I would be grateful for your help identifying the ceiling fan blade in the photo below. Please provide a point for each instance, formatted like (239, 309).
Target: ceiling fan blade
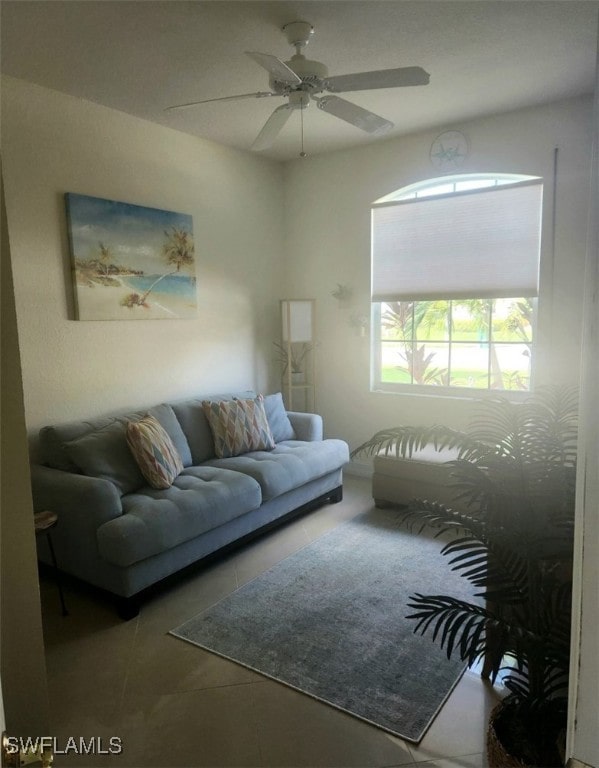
(353, 114)
(272, 127)
(277, 68)
(382, 78)
(258, 95)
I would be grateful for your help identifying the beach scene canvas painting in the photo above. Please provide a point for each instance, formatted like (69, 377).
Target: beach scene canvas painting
(130, 262)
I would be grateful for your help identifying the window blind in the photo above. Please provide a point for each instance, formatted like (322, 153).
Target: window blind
(475, 244)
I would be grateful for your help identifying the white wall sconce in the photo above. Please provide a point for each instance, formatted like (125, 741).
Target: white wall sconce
(359, 323)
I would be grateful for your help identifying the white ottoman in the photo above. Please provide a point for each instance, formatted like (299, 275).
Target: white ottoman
(425, 475)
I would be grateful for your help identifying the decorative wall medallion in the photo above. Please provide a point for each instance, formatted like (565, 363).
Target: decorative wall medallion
(449, 150)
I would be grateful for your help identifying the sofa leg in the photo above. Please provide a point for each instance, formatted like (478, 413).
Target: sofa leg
(336, 495)
(127, 607)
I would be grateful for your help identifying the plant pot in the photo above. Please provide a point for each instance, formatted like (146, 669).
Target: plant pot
(518, 737)
(497, 754)
(298, 378)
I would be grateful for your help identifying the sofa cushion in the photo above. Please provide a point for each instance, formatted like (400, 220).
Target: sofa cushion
(278, 421)
(238, 426)
(154, 452)
(104, 453)
(289, 465)
(167, 418)
(52, 439)
(190, 415)
(200, 499)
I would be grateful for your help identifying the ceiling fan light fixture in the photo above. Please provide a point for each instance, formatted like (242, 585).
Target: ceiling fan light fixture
(299, 99)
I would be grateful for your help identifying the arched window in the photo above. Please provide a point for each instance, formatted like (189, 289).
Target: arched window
(455, 265)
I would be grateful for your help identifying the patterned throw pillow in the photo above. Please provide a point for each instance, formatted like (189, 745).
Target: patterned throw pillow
(154, 452)
(238, 426)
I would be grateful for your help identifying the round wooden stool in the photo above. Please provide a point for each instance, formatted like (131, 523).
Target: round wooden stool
(44, 522)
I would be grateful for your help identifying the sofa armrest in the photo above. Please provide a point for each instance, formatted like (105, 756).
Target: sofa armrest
(80, 501)
(307, 426)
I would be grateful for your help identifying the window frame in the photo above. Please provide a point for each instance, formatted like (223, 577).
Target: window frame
(376, 341)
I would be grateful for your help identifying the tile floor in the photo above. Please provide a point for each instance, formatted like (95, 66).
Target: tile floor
(173, 704)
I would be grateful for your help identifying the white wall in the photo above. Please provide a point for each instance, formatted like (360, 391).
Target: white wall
(22, 661)
(54, 144)
(583, 742)
(328, 232)
(248, 212)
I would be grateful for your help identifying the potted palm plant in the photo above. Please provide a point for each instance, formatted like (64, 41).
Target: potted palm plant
(512, 529)
(293, 356)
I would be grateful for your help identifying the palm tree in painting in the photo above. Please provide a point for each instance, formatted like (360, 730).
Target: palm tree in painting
(178, 250)
(105, 258)
(99, 269)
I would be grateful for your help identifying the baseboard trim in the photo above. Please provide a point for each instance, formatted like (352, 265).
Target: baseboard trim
(574, 763)
(359, 468)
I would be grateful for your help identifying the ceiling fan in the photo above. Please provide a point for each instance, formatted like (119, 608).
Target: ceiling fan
(301, 81)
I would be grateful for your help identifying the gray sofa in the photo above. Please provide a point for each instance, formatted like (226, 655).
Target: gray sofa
(117, 533)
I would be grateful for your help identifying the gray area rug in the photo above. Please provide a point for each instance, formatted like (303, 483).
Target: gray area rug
(329, 621)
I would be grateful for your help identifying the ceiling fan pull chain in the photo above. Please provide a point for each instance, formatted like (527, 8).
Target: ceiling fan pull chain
(302, 153)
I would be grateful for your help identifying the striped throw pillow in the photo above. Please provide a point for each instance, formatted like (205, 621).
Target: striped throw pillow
(238, 426)
(154, 452)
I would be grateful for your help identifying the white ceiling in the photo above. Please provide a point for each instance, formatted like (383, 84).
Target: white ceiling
(141, 56)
